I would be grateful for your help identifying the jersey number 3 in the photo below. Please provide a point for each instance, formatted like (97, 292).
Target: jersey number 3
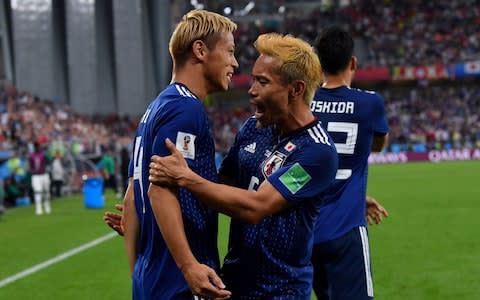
(348, 147)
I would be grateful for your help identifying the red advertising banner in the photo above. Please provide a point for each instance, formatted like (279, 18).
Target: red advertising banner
(432, 156)
(372, 74)
(422, 72)
(241, 80)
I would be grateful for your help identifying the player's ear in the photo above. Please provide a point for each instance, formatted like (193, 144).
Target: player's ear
(199, 49)
(297, 88)
(353, 63)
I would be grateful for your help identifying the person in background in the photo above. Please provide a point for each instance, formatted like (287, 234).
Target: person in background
(108, 170)
(58, 174)
(356, 121)
(40, 180)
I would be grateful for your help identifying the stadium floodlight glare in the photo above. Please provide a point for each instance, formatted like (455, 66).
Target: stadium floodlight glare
(227, 10)
(246, 9)
(196, 5)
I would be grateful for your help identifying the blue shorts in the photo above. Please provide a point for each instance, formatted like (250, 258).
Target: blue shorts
(341, 267)
(187, 296)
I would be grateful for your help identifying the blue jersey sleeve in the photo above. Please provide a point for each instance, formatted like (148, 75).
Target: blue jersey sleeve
(182, 124)
(307, 173)
(379, 120)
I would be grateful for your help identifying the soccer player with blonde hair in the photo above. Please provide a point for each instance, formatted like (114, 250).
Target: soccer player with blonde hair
(281, 162)
(159, 221)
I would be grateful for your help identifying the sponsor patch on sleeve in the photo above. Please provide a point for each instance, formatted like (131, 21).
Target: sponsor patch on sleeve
(186, 144)
(295, 178)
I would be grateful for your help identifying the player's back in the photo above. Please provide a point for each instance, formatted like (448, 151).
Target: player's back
(352, 117)
(176, 114)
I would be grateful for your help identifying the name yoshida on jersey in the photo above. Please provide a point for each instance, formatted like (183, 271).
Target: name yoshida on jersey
(352, 117)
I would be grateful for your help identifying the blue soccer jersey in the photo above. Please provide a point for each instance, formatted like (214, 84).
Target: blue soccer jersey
(176, 114)
(271, 260)
(352, 117)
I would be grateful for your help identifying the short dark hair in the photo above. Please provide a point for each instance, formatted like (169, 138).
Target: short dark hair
(335, 49)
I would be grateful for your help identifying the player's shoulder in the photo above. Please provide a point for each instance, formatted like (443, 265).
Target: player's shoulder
(178, 91)
(345, 91)
(316, 138)
(177, 96)
(365, 93)
(249, 124)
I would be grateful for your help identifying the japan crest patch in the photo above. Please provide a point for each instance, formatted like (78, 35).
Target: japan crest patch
(273, 163)
(290, 147)
(186, 144)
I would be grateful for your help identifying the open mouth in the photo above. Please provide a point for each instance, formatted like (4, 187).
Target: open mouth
(259, 110)
(229, 76)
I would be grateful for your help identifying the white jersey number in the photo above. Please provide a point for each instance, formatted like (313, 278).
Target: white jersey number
(137, 166)
(253, 186)
(351, 129)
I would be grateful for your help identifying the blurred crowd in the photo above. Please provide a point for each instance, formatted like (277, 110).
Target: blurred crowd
(421, 118)
(433, 117)
(68, 138)
(389, 33)
(440, 116)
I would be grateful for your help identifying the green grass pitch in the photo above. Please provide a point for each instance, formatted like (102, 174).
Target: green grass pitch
(427, 249)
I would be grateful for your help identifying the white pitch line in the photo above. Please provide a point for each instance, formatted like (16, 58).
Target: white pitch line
(55, 259)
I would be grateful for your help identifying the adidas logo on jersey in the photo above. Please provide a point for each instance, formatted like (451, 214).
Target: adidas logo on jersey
(251, 148)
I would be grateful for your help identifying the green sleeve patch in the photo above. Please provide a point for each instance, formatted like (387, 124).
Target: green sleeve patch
(295, 178)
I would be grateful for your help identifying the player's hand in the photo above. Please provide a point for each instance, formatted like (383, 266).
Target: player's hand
(375, 212)
(114, 220)
(204, 282)
(168, 170)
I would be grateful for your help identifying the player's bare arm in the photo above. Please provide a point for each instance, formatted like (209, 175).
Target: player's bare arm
(201, 279)
(130, 225)
(238, 203)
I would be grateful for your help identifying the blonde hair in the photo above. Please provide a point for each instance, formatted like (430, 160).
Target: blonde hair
(299, 61)
(197, 25)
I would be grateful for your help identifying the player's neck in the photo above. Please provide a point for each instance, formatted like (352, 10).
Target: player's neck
(335, 81)
(192, 80)
(298, 117)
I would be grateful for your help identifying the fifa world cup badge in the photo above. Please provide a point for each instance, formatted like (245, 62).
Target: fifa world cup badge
(186, 144)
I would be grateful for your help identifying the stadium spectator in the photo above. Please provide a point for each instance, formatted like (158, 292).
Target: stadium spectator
(271, 233)
(202, 49)
(125, 155)
(40, 180)
(58, 174)
(108, 169)
(357, 123)
(393, 32)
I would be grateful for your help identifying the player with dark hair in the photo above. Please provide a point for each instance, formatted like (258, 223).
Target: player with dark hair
(356, 121)
(287, 164)
(158, 220)
(40, 179)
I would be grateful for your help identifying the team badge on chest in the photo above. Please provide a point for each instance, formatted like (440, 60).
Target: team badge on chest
(273, 163)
